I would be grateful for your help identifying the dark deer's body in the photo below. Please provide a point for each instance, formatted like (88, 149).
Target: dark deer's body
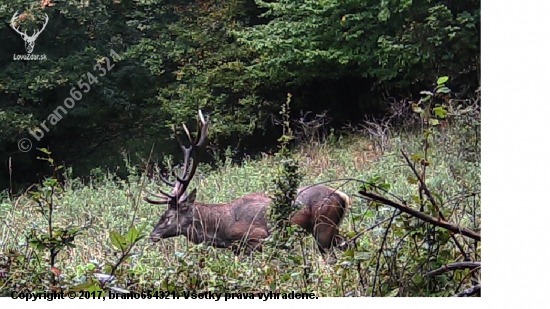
(319, 211)
(222, 225)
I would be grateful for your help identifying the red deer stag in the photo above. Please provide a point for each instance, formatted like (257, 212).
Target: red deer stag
(244, 219)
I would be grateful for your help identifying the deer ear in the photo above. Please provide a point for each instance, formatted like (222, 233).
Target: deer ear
(187, 199)
(191, 197)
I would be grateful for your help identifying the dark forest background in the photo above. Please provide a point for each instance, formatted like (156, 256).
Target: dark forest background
(237, 60)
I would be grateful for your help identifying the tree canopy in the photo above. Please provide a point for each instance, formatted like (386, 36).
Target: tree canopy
(234, 59)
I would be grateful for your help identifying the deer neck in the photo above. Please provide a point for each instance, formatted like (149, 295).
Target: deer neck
(209, 225)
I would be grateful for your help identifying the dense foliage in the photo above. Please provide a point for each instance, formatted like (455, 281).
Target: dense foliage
(118, 74)
(235, 59)
(87, 235)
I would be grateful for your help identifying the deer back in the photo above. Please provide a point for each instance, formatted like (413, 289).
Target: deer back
(321, 211)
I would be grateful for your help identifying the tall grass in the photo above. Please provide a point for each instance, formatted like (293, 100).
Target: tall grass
(386, 260)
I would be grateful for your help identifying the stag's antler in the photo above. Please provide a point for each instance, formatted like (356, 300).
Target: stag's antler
(182, 182)
(34, 35)
(29, 40)
(12, 23)
(24, 34)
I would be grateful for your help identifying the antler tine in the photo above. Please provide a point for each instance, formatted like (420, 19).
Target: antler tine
(196, 144)
(165, 194)
(186, 132)
(164, 198)
(166, 181)
(45, 22)
(12, 23)
(155, 202)
(177, 191)
(43, 26)
(186, 154)
(203, 130)
(199, 142)
(13, 17)
(161, 196)
(182, 182)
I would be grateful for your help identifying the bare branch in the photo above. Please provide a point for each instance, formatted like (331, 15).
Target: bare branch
(422, 216)
(424, 188)
(423, 184)
(453, 266)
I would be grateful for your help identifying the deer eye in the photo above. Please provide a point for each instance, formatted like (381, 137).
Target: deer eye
(183, 207)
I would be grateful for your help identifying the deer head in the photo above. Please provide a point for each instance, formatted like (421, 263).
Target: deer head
(179, 215)
(29, 40)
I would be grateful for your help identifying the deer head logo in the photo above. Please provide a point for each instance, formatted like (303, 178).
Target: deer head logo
(29, 40)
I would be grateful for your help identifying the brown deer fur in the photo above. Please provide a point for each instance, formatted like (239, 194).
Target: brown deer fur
(319, 209)
(223, 225)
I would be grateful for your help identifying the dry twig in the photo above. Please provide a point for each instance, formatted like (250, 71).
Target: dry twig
(453, 266)
(422, 216)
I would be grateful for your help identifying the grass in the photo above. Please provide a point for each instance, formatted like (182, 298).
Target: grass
(388, 260)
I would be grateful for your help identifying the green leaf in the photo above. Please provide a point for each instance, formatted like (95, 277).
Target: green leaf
(366, 214)
(44, 150)
(118, 241)
(433, 121)
(82, 287)
(417, 109)
(50, 182)
(417, 157)
(442, 80)
(132, 234)
(443, 90)
(427, 133)
(95, 288)
(440, 112)
(142, 228)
